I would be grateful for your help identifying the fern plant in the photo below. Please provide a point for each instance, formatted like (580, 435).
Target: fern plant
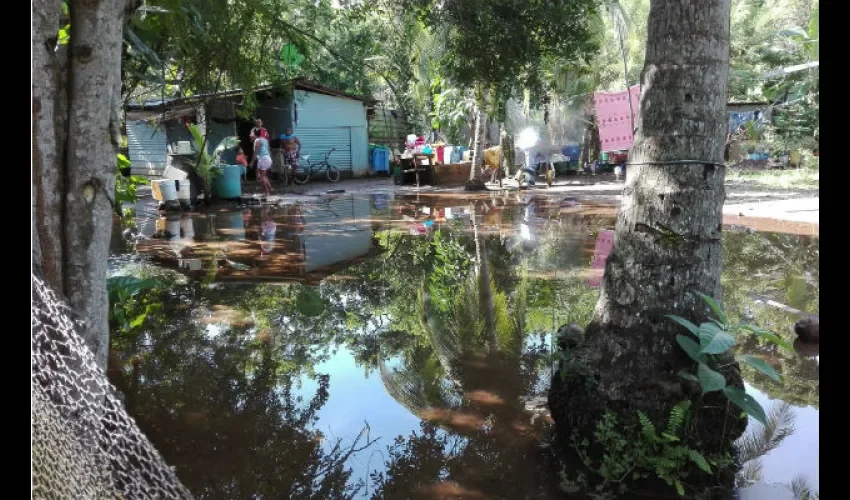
(714, 339)
(639, 451)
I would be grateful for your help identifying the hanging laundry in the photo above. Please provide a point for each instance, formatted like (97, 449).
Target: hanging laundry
(612, 115)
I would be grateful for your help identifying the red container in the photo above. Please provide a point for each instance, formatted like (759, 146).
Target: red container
(440, 154)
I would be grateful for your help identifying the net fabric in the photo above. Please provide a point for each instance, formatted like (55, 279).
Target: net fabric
(84, 444)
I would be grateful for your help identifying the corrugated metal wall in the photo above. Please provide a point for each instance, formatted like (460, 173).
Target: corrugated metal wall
(339, 117)
(316, 142)
(146, 144)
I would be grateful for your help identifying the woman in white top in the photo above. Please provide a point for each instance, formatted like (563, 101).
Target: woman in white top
(263, 159)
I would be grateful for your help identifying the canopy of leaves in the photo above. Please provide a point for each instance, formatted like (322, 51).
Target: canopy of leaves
(502, 44)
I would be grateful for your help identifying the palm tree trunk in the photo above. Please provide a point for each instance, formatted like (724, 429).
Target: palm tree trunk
(485, 288)
(667, 241)
(475, 183)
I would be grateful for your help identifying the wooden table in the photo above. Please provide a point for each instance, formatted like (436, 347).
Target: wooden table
(417, 166)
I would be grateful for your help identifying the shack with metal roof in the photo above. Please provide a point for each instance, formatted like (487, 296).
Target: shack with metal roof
(322, 118)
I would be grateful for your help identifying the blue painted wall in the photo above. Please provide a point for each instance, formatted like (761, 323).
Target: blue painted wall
(318, 111)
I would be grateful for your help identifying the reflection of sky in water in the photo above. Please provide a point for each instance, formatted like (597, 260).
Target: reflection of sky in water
(798, 454)
(354, 401)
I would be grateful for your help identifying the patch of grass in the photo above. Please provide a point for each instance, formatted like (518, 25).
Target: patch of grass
(802, 178)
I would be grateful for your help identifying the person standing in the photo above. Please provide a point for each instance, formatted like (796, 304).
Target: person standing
(263, 159)
(291, 149)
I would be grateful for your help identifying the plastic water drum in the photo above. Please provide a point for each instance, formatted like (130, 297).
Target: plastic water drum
(228, 185)
(380, 161)
(164, 190)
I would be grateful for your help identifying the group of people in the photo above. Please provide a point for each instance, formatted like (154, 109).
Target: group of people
(262, 158)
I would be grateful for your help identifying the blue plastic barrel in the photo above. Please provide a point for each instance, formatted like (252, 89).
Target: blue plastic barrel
(228, 184)
(380, 160)
(457, 154)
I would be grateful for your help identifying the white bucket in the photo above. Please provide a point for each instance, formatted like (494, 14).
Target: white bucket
(183, 189)
(164, 190)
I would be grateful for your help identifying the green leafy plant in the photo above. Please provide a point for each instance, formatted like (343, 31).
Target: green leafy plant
(714, 339)
(207, 165)
(637, 451)
(130, 302)
(125, 187)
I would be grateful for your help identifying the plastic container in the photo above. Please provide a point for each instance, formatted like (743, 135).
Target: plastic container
(164, 190)
(440, 151)
(448, 151)
(228, 184)
(380, 161)
(184, 188)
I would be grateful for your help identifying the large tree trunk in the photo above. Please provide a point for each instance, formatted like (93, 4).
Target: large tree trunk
(667, 242)
(75, 140)
(47, 122)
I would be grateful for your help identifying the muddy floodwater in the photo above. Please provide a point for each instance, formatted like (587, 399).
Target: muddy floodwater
(398, 346)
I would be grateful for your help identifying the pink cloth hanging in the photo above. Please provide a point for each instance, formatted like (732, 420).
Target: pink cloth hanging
(612, 116)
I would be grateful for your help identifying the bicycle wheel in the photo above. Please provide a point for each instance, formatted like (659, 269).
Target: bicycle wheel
(302, 176)
(332, 173)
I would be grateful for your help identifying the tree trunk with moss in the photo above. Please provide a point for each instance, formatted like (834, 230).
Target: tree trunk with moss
(667, 241)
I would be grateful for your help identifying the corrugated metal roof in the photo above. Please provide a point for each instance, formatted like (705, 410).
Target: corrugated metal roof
(299, 84)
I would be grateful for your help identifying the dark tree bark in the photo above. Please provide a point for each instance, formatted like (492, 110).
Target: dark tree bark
(667, 242)
(75, 140)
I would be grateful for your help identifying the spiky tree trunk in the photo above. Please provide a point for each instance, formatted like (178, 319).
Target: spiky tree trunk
(76, 137)
(475, 182)
(667, 242)
(485, 288)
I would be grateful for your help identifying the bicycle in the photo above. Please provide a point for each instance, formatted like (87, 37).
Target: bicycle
(303, 175)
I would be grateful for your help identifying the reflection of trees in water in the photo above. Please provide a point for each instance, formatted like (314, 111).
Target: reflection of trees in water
(219, 403)
(785, 268)
(478, 344)
(214, 388)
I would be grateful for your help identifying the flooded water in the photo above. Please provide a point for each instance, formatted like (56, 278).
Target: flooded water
(387, 347)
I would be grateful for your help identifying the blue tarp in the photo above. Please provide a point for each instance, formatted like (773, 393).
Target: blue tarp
(739, 118)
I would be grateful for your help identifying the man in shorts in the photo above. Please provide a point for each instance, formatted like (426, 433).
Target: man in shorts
(291, 149)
